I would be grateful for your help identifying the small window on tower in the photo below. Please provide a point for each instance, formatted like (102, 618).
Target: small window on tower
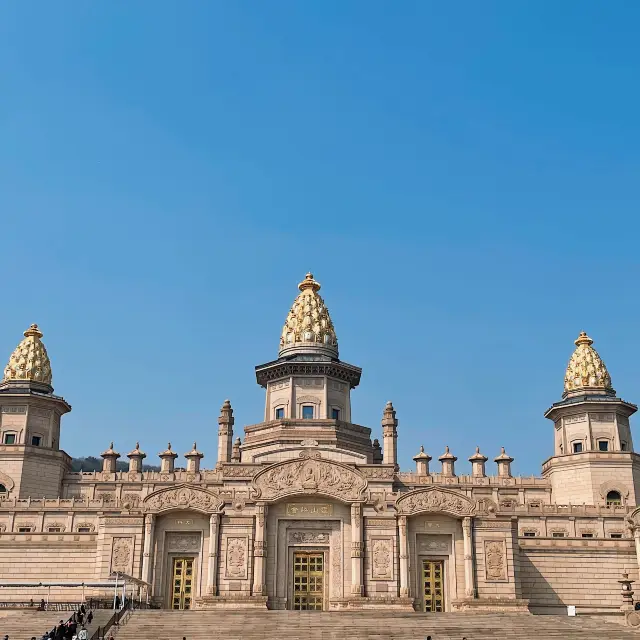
(616, 536)
(279, 413)
(603, 445)
(623, 446)
(557, 534)
(36, 441)
(614, 499)
(307, 412)
(335, 414)
(577, 447)
(9, 438)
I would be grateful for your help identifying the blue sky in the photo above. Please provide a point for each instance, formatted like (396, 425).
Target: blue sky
(462, 178)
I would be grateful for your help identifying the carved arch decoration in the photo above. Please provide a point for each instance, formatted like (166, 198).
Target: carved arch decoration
(6, 481)
(309, 475)
(435, 500)
(613, 485)
(183, 497)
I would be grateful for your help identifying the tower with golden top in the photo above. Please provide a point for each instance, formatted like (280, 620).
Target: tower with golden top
(30, 455)
(593, 459)
(308, 391)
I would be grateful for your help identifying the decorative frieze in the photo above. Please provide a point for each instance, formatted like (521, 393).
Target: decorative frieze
(435, 500)
(184, 497)
(381, 522)
(120, 521)
(378, 472)
(308, 537)
(183, 542)
(309, 475)
(239, 471)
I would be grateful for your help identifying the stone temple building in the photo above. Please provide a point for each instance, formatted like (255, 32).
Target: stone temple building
(308, 512)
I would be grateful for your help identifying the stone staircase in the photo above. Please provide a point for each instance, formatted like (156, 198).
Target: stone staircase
(290, 625)
(23, 625)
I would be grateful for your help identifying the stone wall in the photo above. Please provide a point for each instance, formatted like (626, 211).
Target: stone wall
(553, 578)
(47, 561)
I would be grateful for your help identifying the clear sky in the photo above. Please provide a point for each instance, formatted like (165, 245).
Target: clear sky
(461, 177)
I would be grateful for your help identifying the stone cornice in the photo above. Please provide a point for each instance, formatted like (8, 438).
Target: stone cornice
(277, 369)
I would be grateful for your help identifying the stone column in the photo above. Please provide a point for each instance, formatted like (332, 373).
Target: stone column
(225, 432)
(147, 564)
(357, 588)
(636, 537)
(404, 557)
(390, 436)
(212, 582)
(260, 552)
(469, 588)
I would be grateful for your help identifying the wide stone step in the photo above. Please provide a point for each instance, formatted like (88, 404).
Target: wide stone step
(291, 625)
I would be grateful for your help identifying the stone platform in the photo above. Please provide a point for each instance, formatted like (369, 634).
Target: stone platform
(290, 625)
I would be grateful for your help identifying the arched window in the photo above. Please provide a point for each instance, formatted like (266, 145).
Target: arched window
(3, 489)
(614, 499)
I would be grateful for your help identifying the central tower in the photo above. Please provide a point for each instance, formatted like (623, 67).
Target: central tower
(308, 391)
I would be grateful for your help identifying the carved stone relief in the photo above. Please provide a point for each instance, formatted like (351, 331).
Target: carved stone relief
(121, 555)
(439, 544)
(184, 497)
(378, 472)
(236, 563)
(381, 558)
(183, 542)
(309, 475)
(435, 500)
(308, 537)
(495, 560)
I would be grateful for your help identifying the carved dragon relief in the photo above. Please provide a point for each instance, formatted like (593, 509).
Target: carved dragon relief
(183, 497)
(434, 499)
(309, 474)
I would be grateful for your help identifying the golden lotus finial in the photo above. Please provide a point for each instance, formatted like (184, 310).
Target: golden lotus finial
(583, 338)
(308, 327)
(586, 370)
(309, 283)
(29, 360)
(33, 330)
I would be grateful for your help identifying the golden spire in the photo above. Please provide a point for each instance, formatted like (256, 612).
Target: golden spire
(308, 326)
(29, 361)
(586, 370)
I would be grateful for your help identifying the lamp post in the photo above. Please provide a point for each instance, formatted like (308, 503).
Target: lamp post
(626, 592)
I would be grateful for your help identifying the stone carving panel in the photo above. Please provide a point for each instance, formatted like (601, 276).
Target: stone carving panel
(183, 542)
(239, 471)
(434, 544)
(121, 555)
(382, 559)
(183, 497)
(435, 500)
(495, 560)
(308, 537)
(236, 562)
(378, 472)
(308, 475)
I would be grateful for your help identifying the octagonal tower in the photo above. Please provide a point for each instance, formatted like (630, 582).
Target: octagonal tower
(593, 461)
(308, 391)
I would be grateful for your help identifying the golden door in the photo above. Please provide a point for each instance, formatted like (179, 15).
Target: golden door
(183, 583)
(433, 585)
(308, 581)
